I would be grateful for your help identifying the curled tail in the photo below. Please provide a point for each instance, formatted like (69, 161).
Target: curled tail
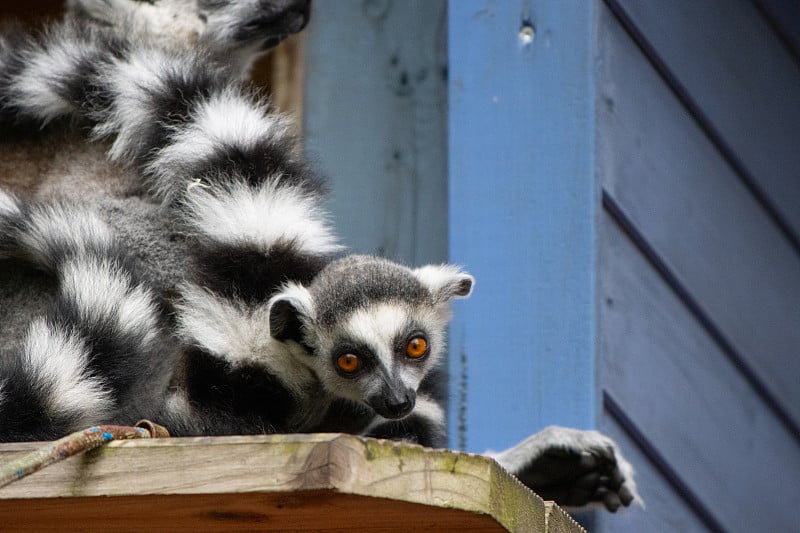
(176, 113)
(85, 360)
(206, 146)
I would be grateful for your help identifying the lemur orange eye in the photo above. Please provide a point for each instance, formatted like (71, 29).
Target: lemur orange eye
(348, 363)
(417, 347)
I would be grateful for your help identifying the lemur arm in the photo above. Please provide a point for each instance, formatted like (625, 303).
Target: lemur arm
(573, 467)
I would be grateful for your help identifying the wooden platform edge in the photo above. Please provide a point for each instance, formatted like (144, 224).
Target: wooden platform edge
(289, 463)
(558, 521)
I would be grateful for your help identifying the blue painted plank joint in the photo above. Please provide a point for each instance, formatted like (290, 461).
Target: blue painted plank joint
(523, 206)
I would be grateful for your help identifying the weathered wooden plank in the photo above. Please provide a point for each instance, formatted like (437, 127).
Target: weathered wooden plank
(742, 78)
(558, 521)
(375, 120)
(678, 388)
(698, 217)
(523, 202)
(284, 512)
(285, 465)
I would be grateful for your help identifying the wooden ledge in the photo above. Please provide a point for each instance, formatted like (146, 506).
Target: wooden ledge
(320, 482)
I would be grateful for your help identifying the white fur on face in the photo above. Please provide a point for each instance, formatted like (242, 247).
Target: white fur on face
(378, 327)
(430, 410)
(58, 361)
(241, 215)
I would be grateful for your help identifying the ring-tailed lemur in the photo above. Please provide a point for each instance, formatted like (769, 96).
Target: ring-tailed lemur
(195, 279)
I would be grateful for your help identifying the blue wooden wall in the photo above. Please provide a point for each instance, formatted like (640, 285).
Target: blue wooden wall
(622, 178)
(523, 205)
(375, 119)
(698, 261)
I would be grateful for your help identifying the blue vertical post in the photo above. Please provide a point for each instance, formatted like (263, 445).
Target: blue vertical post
(523, 206)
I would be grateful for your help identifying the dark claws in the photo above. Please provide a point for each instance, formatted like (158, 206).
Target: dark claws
(612, 501)
(625, 495)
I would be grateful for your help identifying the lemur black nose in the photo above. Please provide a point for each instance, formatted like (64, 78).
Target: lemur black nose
(399, 405)
(400, 409)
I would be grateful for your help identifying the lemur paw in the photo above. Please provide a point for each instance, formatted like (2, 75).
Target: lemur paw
(267, 22)
(573, 467)
(221, 25)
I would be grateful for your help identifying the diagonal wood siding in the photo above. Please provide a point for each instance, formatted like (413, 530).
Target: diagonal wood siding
(699, 265)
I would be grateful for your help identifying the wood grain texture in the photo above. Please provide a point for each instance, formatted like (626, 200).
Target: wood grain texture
(375, 122)
(745, 82)
(558, 521)
(284, 512)
(277, 477)
(677, 387)
(698, 217)
(523, 203)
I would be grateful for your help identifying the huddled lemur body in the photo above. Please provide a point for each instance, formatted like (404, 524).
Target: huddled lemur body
(164, 254)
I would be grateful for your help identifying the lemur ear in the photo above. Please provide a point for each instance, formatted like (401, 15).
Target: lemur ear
(287, 311)
(445, 281)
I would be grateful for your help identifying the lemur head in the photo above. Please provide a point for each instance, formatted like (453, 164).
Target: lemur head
(373, 329)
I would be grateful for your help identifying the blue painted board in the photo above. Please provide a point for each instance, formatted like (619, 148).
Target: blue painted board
(374, 121)
(678, 388)
(523, 201)
(743, 80)
(693, 210)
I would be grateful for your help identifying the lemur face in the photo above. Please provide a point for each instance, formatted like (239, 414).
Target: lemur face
(375, 328)
(379, 354)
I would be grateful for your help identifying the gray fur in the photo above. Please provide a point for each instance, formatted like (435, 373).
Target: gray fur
(356, 281)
